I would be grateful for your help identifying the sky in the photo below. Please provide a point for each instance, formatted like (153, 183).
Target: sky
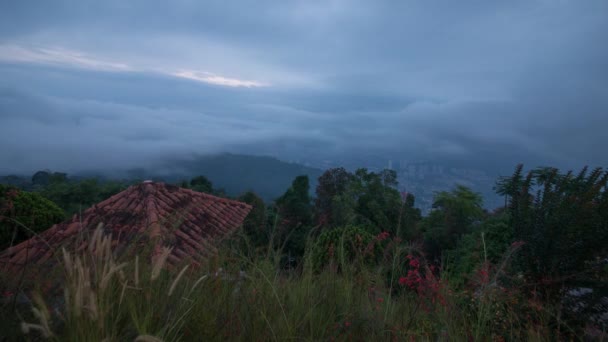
(118, 84)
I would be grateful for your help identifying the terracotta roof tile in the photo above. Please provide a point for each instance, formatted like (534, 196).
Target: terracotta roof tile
(186, 219)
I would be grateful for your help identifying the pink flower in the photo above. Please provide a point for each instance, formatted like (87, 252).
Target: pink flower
(382, 236)
(516, 244)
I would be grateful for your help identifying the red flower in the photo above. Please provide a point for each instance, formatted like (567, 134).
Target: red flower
(347, 324)
(517, 244)
(382, 236)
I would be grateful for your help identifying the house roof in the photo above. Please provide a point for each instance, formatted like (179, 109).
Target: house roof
(149, 213)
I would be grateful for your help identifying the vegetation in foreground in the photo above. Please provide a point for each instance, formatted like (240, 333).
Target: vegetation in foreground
(235, 297)
(358, 263)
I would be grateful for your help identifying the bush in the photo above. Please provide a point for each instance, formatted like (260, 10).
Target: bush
(23, 214)
(103, 297)
(344, 245)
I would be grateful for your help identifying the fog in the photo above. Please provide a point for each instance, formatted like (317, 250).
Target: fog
(102, 85)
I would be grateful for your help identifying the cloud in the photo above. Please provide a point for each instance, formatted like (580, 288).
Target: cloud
(481, 83)
(210, 78)
(57, 56)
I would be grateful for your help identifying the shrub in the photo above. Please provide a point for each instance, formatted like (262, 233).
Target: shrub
(23, 214)
(344, 245)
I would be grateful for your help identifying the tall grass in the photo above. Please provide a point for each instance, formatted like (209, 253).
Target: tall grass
(240, 295)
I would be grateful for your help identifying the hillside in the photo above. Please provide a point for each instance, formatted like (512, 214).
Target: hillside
(266, 176)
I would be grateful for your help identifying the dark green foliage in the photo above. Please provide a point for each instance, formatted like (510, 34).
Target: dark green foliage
(24, 213)
(201, 184)
(14, 180)
(76, 196)
(454, 214)
(295, 205)
(41, 178)
(343, 245)
(563, 221)
(331, 191)
(378, 202)
(58, 177)
(490, 278)
(366, 199)
(487, 242)
(268, 177)
(410, 218)
(294, 211)
(255, 223)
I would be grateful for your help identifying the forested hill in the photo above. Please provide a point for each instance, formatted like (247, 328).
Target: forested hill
(234, 174)
(266, 176)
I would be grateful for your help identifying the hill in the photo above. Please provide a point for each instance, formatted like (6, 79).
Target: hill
(267, 176)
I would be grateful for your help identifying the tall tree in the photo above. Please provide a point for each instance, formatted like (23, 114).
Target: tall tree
(295, 204)
(41, 178)
(255, 223)
(366, 199)
(454, 214)
(295, 216)
(379, 205)
(201, 184)
(331, 190)
(563, 221)
(410, 218)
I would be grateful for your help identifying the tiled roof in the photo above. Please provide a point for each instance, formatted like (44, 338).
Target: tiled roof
(152, 214)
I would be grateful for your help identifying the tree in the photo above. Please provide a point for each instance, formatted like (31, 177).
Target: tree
(410, 217)
(23, 214)
(76, 196)
(487, 242)
(295, 216)
(295, 204)
(342, 246)
(58, 177)
(255, 223)
(365, 199)
(201, 184)
(454, 214)
(507, 185)
(563, 221)
(378, 202)
(332, 186)
(41, 178)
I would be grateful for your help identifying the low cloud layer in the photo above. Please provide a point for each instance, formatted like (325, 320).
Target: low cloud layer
(85, 85)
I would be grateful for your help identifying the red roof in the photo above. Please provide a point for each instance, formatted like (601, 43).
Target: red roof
(153, 214)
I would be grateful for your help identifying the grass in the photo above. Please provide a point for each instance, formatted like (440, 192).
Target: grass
(240, 296)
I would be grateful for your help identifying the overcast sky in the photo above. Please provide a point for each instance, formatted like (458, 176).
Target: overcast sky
(114, 83)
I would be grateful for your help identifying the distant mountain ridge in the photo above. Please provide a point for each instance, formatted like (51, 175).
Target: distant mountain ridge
(268, 177)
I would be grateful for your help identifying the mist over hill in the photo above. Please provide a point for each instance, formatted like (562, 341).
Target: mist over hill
(235, 174)
(270, 177)
(267, 176)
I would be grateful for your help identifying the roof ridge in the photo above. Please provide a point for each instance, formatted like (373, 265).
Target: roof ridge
(166, 214)
(217, 198)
